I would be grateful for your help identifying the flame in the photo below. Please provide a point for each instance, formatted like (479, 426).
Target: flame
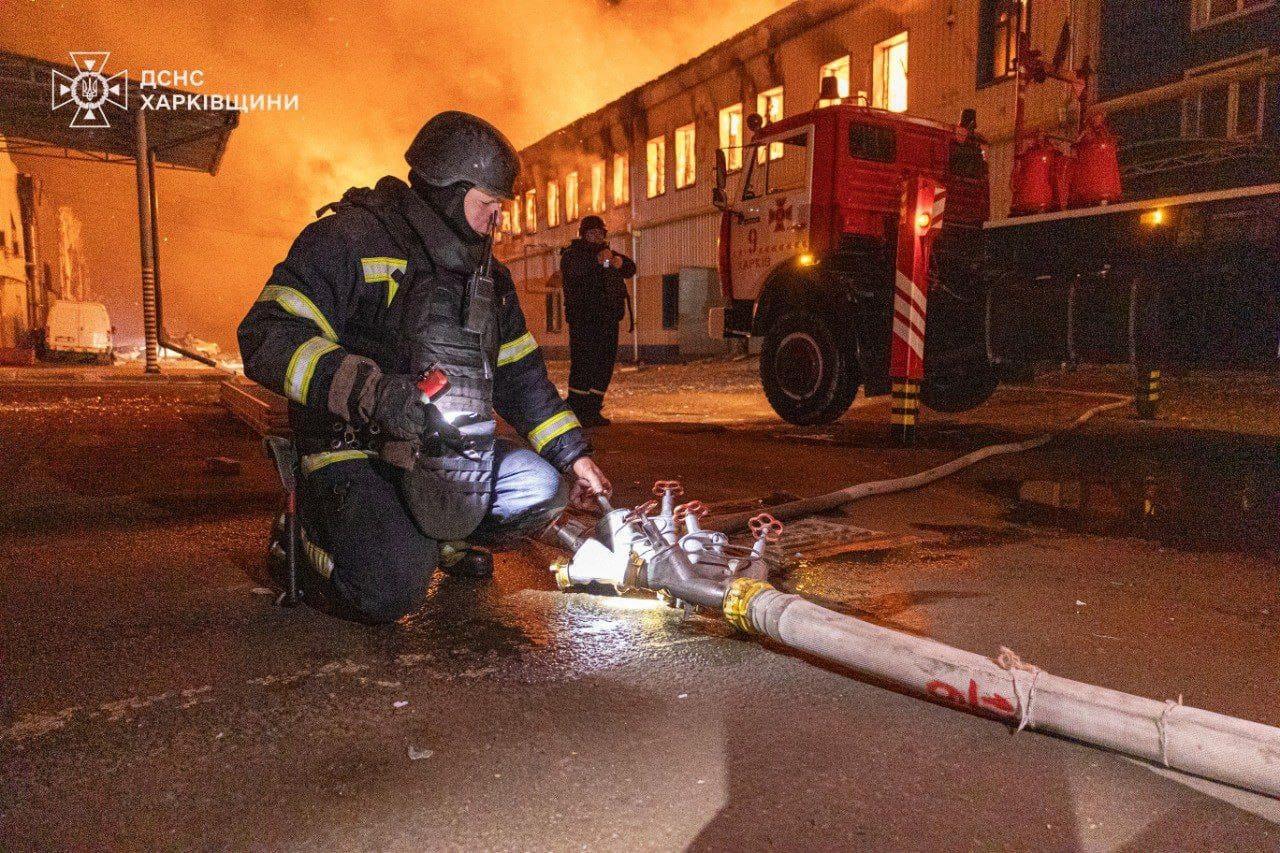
(367, 76)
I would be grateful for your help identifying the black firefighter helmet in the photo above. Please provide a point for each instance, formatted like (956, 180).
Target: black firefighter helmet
(456, 146)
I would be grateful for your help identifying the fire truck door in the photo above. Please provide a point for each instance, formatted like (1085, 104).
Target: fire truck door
(775, 207)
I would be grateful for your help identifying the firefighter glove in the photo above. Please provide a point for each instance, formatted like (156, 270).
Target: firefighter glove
(398, 409)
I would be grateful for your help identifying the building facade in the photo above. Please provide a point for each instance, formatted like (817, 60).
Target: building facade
(645, 162)
(1201, 79)
(14, 313)
(41, 260)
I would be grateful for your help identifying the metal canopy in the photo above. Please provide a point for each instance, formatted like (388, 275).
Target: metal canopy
(178, 139)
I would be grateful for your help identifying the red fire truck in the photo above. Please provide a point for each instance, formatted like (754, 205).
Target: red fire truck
(816, 244)
(807, 258)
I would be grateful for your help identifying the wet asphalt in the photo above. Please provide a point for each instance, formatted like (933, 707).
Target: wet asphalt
(153, 698)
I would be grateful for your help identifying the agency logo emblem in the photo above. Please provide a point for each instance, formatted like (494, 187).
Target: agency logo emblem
(91, 90)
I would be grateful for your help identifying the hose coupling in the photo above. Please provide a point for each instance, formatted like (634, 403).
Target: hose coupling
(737, 602)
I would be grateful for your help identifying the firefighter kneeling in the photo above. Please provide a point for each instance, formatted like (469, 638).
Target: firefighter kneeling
(400, 280)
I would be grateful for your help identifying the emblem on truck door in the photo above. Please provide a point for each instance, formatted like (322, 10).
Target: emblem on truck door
(780, 215)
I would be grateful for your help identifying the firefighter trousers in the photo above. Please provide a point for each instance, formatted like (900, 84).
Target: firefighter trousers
(593, 351)
(359, 534)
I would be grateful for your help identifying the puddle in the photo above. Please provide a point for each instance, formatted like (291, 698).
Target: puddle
(1194, 512)
(961, 536)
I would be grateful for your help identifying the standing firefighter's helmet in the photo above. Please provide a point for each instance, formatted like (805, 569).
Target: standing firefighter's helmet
(456, 146)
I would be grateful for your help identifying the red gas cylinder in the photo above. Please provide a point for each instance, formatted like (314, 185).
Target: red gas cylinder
(1095, 179)
(1033, 178)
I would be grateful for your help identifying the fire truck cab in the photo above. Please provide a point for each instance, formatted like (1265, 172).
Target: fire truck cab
(808, 235)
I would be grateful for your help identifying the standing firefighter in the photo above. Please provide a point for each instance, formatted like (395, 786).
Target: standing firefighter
(595, 291)
(387, 288)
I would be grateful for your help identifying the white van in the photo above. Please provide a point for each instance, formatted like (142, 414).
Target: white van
(79, 329)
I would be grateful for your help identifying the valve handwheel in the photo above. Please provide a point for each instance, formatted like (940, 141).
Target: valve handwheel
(643, 511)
(662, 487)
(695, 508)
(765, 526)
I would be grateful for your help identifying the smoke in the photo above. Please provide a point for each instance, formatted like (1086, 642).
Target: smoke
(367, 76)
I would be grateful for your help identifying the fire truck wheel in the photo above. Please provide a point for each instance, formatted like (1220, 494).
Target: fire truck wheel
(959, 392)
(806, 375)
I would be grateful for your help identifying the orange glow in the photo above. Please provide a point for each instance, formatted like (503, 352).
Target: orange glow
(531, 66)
(923, 221)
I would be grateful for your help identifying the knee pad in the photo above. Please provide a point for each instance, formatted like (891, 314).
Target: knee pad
(389, 589)
(381, 607)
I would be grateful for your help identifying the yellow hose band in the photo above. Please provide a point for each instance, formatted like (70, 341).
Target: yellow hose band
(560, 568)
(737, 602)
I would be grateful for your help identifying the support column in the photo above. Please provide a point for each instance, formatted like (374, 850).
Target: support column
(150, 327)
(155, 245)
(923, 204)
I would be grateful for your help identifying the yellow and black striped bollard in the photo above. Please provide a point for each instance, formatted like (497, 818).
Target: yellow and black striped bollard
(905, 410)
(1147, 398)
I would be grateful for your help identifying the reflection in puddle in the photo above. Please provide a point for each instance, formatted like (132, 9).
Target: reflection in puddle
(519, 628)
(1190, 513)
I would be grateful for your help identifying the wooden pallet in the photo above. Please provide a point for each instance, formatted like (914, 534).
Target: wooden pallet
(265, 412)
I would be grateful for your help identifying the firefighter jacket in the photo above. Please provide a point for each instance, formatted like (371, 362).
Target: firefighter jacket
(593, 293)
(380, 286)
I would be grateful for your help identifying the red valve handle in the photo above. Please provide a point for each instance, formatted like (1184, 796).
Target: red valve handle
(765, 526)
(433, 383)
(642, 511)
(695, 508)
(661, 487)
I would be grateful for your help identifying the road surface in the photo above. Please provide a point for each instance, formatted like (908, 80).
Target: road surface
(152, 698)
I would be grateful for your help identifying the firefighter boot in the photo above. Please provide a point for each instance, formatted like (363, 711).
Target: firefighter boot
(460, 560)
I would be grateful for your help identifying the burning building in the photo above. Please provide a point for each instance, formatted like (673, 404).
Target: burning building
(42, 260)
(645, 161)
(15, 321)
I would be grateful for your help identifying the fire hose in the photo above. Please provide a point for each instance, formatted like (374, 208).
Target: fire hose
(669, 549)
(840, 497)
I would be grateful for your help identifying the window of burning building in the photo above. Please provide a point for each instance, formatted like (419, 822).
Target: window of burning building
(621, 179)
(597, 187)
(686, 156)
(514, 216)
(769, 105)
(1206, 12)
(1230, 111)
(656, 166)
(571, 197)
(731, 136)
(553, 204)
(839, 69)
(1001, 24)
(531, 211)
(889, 75)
